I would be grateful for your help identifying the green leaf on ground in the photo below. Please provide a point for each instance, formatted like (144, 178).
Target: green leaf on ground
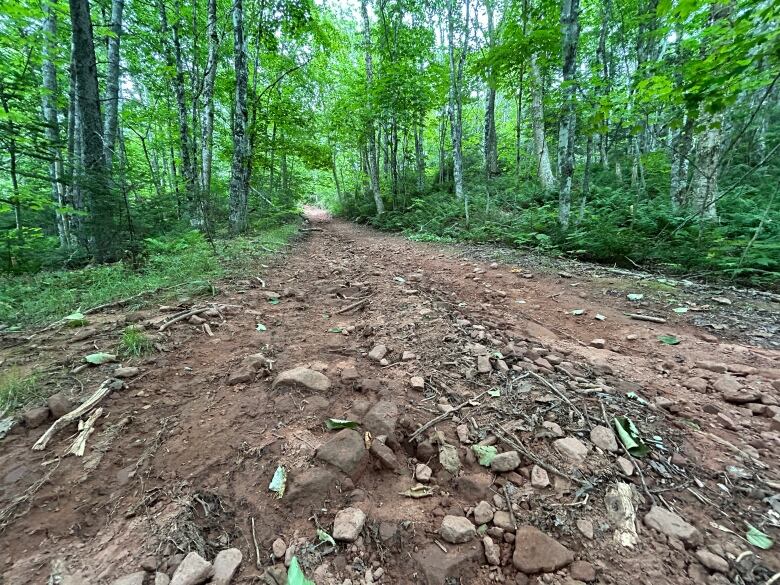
(495, 393)
(335, 330)
(680, 309)
(261, 327)
(578, 312)
(485, 454)
(76, 319)
(335, 423)
(325, 537)
(635, 296)
(279, 482)
(668, 339)
(758, 538)
(274, 300)
(99, 358)
(630, 437)
(295, 574)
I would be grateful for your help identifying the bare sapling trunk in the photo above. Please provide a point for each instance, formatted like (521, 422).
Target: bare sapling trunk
(543, 167)
(238, 184)
(373, 160)
(456, 64)
(566, 131)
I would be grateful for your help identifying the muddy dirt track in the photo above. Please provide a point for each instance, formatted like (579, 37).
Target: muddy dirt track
(396, 335)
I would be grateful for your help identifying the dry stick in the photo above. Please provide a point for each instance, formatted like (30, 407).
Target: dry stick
(181, 317)
(80, 444)
(257, 548)
(353, 306)
(100, 394)
(447, 414)
(513, 442)
(560, 394)
(650, 318)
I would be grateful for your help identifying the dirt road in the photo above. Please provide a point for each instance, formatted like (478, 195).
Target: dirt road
(356, 325)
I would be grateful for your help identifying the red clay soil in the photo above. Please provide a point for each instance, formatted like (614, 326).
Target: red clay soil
(182, 456)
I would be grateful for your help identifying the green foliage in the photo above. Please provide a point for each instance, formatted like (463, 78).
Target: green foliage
(135, 342)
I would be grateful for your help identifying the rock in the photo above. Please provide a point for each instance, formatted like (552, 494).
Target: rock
(422, 473)
(161, 579)
(408, 356)
(314, 483)
(598, 343)
(458, 564)
(604, 439)
(697, 384)
(127, 372)
(242, 375)
(193, 570)
(727, 384)
(278, 548)
(463, 434)
(717, 367)
(449, 458)
(727, 422)
(35, 417)
(384, 455)
(571, 449)
(503, 520)
(483, 513)
(300, 377)
(381, 419)
(483, 364)
(535, 552)
(136, 578)
(492, 552)
(275, 576)
(625, 466)
(349, 373)
(377, 353)
(539, 477)
(585, 527)
(149, 564)
(348, 524)
(225, 566)
(417, 383)
(345, 451)
(671, 524)
(741, 396)
(506, 461)
(457, 529)
(554, 428)
(59, 404)
(582, 571)
(712, 561)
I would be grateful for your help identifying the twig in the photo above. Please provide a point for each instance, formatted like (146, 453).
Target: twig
(509, 507)
(311, 230)
(650, 318)
(560, 394)
(181, 317)
(254, 539)
(100, 393)
(353, 306)
(207, 329)
(440, 545)
(445, 415)
(80, 444)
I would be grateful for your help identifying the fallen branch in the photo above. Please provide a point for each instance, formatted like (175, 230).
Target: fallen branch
(181, 317)
(65, 420)
(86, 428)
(355, 305)
(311, 230)
(638, 317)
(558, 393)
(444, 416)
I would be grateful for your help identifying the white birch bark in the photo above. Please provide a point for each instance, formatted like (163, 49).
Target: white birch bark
(543, 168)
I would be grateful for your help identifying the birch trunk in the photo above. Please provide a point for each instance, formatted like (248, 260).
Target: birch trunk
(373, 160)
(491, 138)
(112, 83)
(543, 168)
(419, 157)
(207, 124)
(238, 184)
(704, 185)
(51, 117)
(681, 148)
(456, 98)
(571, 31)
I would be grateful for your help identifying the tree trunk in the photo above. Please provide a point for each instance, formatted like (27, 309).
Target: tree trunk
(681, 148)
(419, 157)
(544, 169)
(207, 124)
(51, 118)
(176, 62)
(112, 83)
(101, 234)
(585, 179)
(238, 183)
(566, 131)
(456, 98)
(373, 160)
(491, 138)
(704, 185)
(601, 57)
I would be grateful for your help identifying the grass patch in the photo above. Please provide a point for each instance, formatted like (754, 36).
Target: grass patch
(184, 266)
(135, 343)
(18, 390)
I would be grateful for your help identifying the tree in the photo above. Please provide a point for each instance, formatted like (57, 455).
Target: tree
(241, 153)
(372, 162)
(570, 28)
